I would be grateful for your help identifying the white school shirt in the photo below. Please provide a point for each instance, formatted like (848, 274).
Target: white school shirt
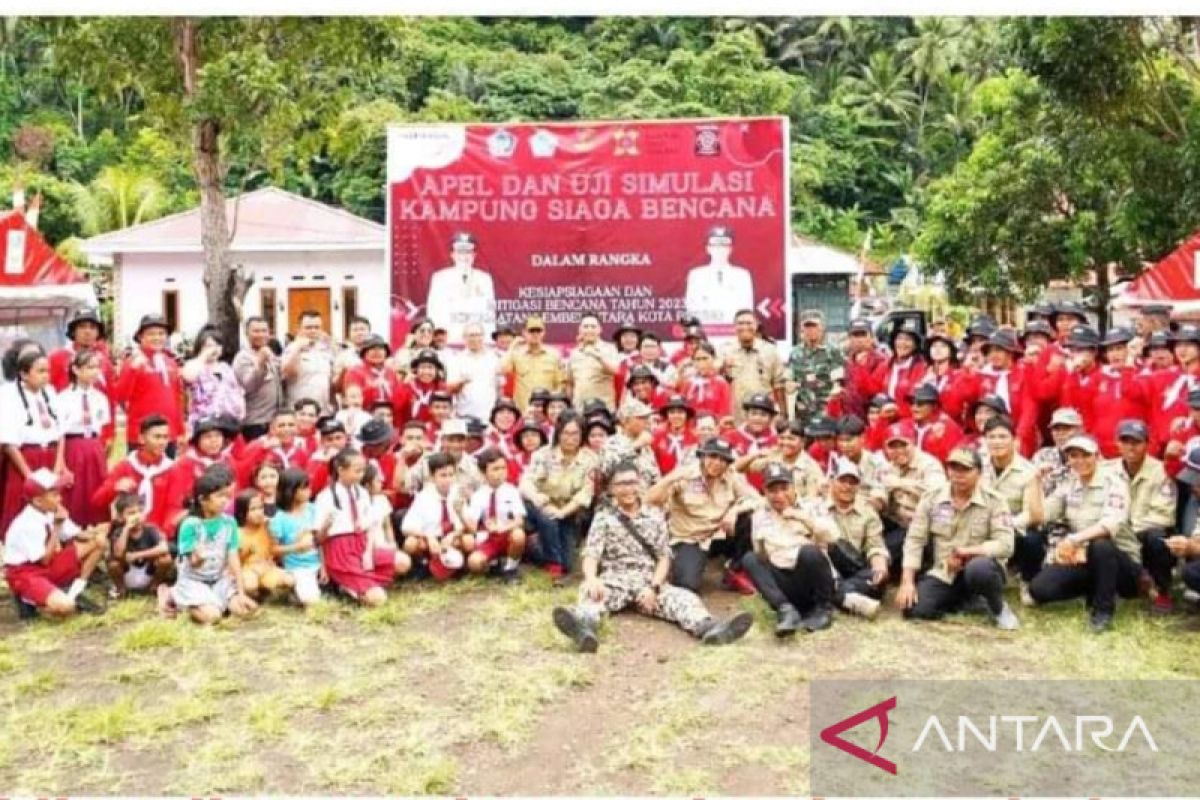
(344, 523)
(25, 423)
(477, 396)
(424, 516)
(28, 533)
(381, 511)
(509, 505)
(70, 404)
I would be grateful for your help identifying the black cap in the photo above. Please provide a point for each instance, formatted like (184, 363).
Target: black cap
(680, 402)
(760, 401)
(981, 328)
(1187, 333)
(441, 396)
(426, 356)
(373, 341)
(151, 321)
(529, 424)
(1117, 336)
(992, 401)
(776, 473)
(230, 425)
(539, 396)
(906, 331)
(851, 425)
(641, 372)
(327, 426)
(1005, 340)
(820, 427)
(1159, 339)
(85, 315)
(1037, 327)
(599, 422)
(1133, 429)
(376, 432)
(860, 326)
(1070, 308)
(475, 426)
(623, 328)
(1084, 336)
(559, 397)
(880, 400)
(1042, 310)
(595, 407)
(925, 393)
(716, 447)
(501, 404)
(503, 330)
(945, 339)
(205, 425)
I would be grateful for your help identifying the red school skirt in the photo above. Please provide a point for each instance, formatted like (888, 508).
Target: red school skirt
(343, 561)
(13, 497)
(88, 462)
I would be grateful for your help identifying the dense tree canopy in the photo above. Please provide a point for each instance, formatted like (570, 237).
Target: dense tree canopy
(1010, 151)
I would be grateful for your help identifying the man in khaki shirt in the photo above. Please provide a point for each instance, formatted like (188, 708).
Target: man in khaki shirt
(752, 366)
(1099, 557)
(789, 453)
(850, 431)
(535, 365)
(858, 553)
(787, 563)
(703, 502)
(1152, 499)
(591, 366)
(908, 475)
(968, 531)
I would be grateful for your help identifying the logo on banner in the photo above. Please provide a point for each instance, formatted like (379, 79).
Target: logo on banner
(502, 144)
(708, 140)
(543, 144)
(625, 142)
(833, 735)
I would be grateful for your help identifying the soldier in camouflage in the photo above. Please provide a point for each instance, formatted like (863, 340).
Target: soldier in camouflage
(626, 563)
(632, 443)
(815, 365)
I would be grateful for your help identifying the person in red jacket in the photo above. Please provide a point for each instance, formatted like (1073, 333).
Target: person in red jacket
(1067, 316)
(416, 393)
(143, 471)
(644, 385)
(333, 440)
(377, 380)
(207, 448)
(897, 376)
(1119, 394)
(1077, 380)
(705, 390)
(821, 433)
(85, 331)
(937, 433)
(1167, 390)
(280, 444)
(881, 413)
(981, 412)
(672, 441)
(978, 333)
(503, 419)
(1184, 437)
(862, 360)
(756, 434)
(149, 382)
(1007, 378)
(1159, 354)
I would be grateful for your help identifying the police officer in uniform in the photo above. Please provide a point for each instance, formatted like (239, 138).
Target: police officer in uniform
(461, 293)
(815, 365)
(718, 289)
(1098, 556)
(626, 563)
(969, 534)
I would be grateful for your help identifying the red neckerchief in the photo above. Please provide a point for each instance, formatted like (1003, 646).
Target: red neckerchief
(421, 399)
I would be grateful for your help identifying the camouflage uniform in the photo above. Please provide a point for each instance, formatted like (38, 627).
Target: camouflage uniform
(1054, 457)
(814, 369)
(618, 448)
(627, 570)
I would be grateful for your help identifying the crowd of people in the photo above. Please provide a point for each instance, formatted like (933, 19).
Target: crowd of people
(1051, 456)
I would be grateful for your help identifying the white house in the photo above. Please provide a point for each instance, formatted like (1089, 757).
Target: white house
(303, 255)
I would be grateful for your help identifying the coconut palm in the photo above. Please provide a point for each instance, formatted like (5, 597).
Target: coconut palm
(117, 198)
(882, 89)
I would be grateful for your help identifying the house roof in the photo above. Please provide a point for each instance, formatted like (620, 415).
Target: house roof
(27, 259)
(263, 220)
(1176, 279)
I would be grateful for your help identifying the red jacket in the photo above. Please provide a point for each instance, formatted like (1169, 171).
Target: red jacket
(669, 447)
(1188, 436)
(711, 395)
(1022, 401)
(1119, 396)
(412, 401)
(149, 481)
(296, 455)
(1166, 394)
(907, 377)
(860, 382)
(144, 392)
(179, 482)
(953, 388)
(376, 385)
(939, 436)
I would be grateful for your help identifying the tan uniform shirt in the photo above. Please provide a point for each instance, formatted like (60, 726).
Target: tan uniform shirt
(807, 476)
(924, 473)
(541, 370)
(752, 370)
(1010, 484)
(1151, 495)
(985, 520)
(564, 482)
(466, 475)
(860, 527)
(695, 508)
(1105, 501)
(779, 539)
(589, 379)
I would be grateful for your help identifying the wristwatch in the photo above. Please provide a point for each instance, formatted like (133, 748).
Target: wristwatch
(656, 586)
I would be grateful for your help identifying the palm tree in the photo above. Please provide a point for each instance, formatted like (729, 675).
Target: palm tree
(882, 89)
(932, 54)
(117, 198)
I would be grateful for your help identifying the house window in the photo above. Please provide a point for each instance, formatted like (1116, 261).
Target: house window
(170, 309)
(349, 309)
(266, 307)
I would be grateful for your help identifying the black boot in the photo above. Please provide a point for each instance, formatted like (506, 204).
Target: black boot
(1101, 621)
(789, 620)
(727, 631)
(25, 611)
(818, 619)
(580, 631)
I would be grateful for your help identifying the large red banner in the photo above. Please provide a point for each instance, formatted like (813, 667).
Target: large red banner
(640, 223)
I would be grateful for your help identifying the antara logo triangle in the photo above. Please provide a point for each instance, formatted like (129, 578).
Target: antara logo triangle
(833, 735)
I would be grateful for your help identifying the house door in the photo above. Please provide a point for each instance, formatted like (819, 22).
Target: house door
(301, 300)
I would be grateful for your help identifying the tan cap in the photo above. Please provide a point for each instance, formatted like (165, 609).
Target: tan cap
(535, 322)
(1066, 416)
(1085, 443)
(811, 315)
(965, 457)
(635, 408)
(847, 469)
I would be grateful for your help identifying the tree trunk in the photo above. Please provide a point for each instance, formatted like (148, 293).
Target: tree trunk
(1103, 297)
(224, 286)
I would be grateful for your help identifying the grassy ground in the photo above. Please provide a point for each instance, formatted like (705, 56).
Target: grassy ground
(467, 689)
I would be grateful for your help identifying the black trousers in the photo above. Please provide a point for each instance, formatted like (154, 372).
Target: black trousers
(853, 578)
(1191, 575)
(1029, 552)
(893, 538)
(687, 565)
(1156, 557)
(936, 598)
(252, 432)
(806, 586)
(1107, 573)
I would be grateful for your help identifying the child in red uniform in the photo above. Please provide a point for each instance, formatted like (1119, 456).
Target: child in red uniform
(281, 443)
(85, 332)
(30, 429)
(504, 425)
(441, 408)
(675, 439)
(706, 390)
(333, 439)
(377, 380)
(416, 393)
(496, 519)
(755, 434)
(208, 446)
(143, 471)
(47, 558)
(149, 382)
(530, 437)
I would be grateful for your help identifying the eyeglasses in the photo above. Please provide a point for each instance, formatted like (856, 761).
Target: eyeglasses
(630, 482)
